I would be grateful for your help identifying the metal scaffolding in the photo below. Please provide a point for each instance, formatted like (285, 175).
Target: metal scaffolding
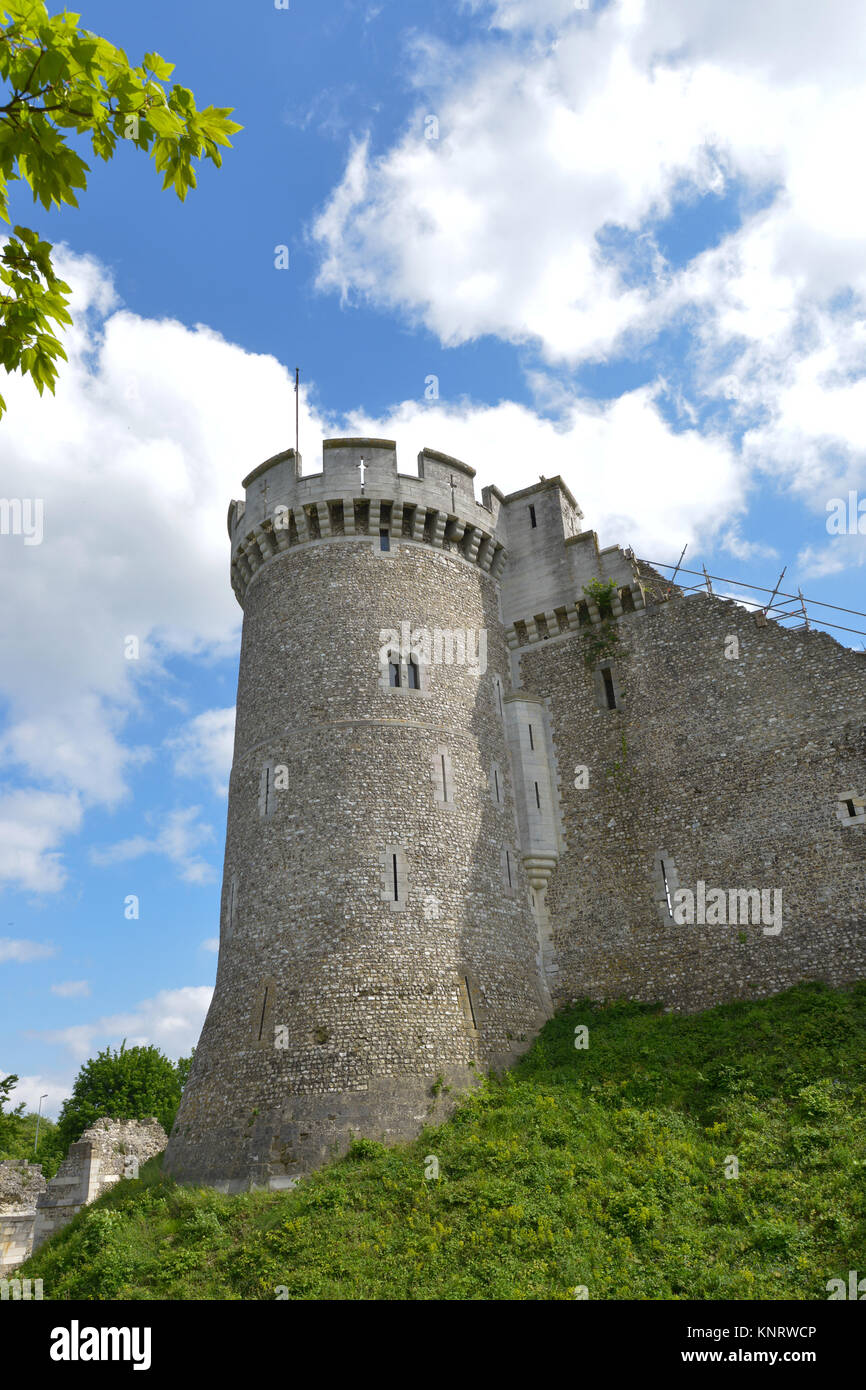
(778, 611)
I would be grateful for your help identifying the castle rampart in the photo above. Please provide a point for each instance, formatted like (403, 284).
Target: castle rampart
(426, 854)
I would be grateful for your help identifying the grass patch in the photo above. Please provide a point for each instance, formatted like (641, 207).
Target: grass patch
(602, 1167)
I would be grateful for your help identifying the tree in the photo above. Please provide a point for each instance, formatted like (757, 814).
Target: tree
(131, 1084)
(21, 1145)
(61, 78)
(10, 1120)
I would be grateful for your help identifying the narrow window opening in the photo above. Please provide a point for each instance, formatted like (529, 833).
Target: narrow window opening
(444, 778)
(267, 790)
(409, 521)
(522, 634)
(469, 1000)
(508, 868)
(394, 672)
(851, 808)
(496, 782)
(233, 901)
(264, 1011)
(666, 882)
(396, 885)
(499, 694)
(413, 674)
(336, 518)
(312, 515)
(384, 540)
(532, 520)
(610, 694)
(583, 613)
(531, 739)
(541, 626)
(537, 797)
(626, 598)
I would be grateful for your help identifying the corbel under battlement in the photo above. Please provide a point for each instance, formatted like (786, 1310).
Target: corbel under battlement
(358, 493)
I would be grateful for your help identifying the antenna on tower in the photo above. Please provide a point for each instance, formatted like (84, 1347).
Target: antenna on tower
(297, 397)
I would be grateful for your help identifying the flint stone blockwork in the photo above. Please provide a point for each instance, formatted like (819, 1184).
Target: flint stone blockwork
(20, 1185)
(100, 1158)
(336, 1005)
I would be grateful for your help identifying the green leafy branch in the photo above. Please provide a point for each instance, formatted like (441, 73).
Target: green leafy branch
(60, 78)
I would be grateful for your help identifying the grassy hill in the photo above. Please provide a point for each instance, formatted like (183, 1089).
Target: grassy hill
(602, 1168)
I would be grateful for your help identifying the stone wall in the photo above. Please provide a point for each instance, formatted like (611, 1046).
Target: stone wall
(20, 1185)
(335, 1009)
(107, 1151)
(726, 769)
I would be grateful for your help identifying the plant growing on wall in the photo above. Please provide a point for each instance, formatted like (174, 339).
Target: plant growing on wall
(601, 641)
(620, 772)
(601, 591)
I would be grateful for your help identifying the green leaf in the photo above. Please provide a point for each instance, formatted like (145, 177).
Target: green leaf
(158, 66)
(163, 121)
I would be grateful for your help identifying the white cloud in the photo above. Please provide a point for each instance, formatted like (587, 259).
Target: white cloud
(179, 836)
(32, 826)
(24, 951)
(837, 555)
(638, 481)
(203, 748)
(211, 943)
(171, 1021)
(30, 1089)
(149, 435)
(72, 989)
(546, 144)
(747, 550)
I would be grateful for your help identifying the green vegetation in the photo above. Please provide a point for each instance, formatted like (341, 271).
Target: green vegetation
(11, 1120)
(602, 640)
(620, 772)
(602, 1167)
(602, 592)
(18, 1131)
(59, 79)
(131, 1084)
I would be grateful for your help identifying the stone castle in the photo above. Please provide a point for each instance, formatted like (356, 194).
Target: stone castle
(481, 768)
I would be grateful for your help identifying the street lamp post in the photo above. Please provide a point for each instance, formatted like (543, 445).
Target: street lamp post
(38, 1118)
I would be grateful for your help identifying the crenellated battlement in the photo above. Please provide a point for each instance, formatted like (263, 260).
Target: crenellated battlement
(358, 467)
(529, 540)
(358, 493)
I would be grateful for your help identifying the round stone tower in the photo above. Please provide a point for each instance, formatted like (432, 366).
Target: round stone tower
(377, 928)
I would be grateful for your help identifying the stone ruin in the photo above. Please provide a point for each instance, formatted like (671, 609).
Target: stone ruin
(20, 1185)
(32, 1209)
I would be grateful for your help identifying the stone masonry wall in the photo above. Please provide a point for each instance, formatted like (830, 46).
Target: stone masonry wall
(20, 1185)
(100, 1158)
(370, 1002)
(729, 769)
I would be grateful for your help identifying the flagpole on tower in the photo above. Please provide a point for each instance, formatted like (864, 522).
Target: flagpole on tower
(297, 397)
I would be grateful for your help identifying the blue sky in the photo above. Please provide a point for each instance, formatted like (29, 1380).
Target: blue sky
(632, 254)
